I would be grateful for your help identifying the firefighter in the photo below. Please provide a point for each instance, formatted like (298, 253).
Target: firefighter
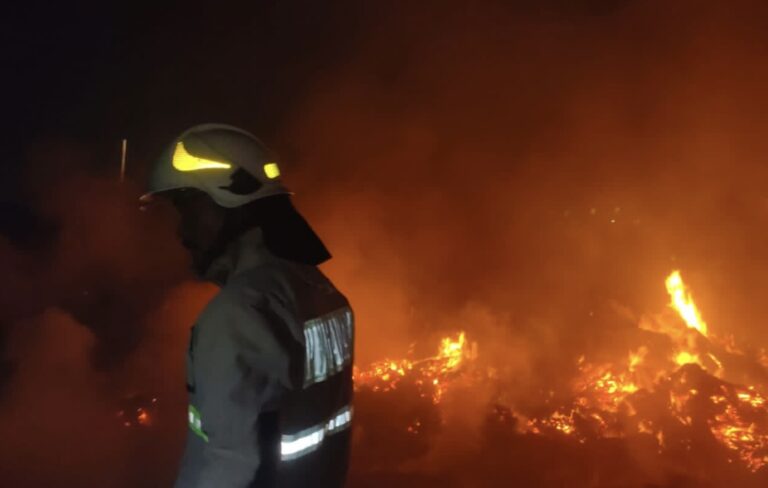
(269, 364)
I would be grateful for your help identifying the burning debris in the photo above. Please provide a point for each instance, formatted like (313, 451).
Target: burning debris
(681, 396)
(675, 393)
(408, 393)
(670, 399)
(431, 376)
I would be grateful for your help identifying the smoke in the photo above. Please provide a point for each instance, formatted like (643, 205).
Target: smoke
(547, 164)
(93, 323)
(541, 162)
(517, 170)
(56, 415)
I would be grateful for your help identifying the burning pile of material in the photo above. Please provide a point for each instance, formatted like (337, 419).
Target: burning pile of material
(683, 397)
(681, 392)
(431, 376)
(668, 398)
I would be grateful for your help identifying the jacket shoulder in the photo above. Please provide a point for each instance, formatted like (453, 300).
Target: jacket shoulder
(242, 324)
(229, 302)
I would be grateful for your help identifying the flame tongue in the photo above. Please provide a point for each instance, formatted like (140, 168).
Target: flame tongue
(696, 332)
(671, 400)
(432, 375)
(683, 303)
(607, 398)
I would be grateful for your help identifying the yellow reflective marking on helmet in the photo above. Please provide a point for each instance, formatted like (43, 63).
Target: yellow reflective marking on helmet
(183, 161)
(271, 170)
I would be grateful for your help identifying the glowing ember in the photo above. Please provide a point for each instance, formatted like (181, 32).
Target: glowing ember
(452, 352)
(599, 387)
(685, 357)
(558, 421)
(142, 417)
(431, 375)
(636, 358)
(672, 396)
(737, 426)
(604, 396)
(751, 397)
(138, 411)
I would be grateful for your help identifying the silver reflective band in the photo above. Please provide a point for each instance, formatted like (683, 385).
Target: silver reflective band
(328, 342)
(306, 441)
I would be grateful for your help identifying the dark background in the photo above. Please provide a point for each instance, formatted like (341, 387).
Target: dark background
(98, 73)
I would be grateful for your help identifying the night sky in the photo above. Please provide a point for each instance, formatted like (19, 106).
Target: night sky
(92, 73)
(97, 73)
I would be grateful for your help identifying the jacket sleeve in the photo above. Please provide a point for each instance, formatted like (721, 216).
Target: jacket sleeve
(239, 370)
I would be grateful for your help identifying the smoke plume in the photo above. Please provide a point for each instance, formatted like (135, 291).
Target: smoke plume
(521, 171)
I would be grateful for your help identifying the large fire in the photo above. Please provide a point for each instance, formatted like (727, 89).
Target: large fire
(676, 395)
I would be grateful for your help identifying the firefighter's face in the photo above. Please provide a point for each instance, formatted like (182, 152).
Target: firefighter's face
(200, 225)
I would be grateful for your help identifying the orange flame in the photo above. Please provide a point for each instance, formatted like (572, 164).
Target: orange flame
(433, 375)
(683, 303)
(603, 392)
(603, 398)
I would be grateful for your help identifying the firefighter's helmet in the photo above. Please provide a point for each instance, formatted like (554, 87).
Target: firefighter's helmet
(229, 164)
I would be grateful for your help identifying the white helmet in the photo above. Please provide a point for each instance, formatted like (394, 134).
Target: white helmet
(229, 164)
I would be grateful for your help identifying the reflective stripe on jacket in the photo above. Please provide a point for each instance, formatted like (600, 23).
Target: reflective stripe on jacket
(269, 378)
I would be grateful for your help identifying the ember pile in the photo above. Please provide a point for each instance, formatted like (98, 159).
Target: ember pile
(431, 376)
(686, 395)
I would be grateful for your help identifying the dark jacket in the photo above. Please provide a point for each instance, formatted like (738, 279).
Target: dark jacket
(269, 376)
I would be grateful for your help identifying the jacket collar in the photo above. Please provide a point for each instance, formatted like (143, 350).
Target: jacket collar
(246, 252)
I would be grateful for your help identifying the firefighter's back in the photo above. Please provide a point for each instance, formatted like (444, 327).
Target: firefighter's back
(306, 435)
